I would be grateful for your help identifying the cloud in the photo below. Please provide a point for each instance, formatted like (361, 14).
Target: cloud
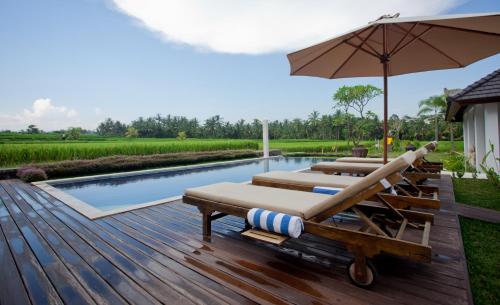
(44, 114)
(264, 26)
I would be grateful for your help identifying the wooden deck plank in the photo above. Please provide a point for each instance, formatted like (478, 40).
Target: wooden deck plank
(38, 286)
(96, 286)
(13, 290)
(125, 286)
(138, 255)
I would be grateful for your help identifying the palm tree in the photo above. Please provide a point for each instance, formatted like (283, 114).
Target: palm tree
(435, 106)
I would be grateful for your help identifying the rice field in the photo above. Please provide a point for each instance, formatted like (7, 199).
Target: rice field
(41, 148)
(24, 153)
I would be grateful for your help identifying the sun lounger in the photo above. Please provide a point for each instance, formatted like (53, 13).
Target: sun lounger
(415, 173)
(375, 230)
(433, 167)
(400, 196)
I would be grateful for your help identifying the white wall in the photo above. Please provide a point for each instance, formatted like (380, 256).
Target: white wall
(481, 125)
(492, 130)
(479, 136)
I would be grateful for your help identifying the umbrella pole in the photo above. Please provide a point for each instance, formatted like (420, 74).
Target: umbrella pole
(385, 112)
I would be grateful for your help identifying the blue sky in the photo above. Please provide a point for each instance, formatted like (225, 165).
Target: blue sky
(74, 63)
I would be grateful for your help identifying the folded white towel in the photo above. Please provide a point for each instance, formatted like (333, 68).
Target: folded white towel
(275, 222)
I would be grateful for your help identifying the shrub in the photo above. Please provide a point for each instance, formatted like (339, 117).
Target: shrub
(181, 135)
(31, 174)
(456, 164)
(129, 163)
(491, 172)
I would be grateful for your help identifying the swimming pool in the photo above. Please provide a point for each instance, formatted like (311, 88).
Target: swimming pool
(115, 193)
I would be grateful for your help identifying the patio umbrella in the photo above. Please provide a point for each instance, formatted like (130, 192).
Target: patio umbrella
(393, 46)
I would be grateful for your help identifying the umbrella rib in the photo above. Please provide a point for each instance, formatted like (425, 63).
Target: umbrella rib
(434, 47)
(364, 50)
(404, 37)
(355, 51)
(323, 53)
(415, 37)
(371, 48)
(463, 30)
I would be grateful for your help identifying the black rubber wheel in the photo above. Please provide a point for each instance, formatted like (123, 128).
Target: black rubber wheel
(371, 273)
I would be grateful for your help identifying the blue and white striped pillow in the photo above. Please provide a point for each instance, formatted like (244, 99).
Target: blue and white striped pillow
(275, 222)
(326, 190)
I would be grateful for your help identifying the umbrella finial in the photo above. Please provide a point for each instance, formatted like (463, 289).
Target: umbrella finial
(386, 16)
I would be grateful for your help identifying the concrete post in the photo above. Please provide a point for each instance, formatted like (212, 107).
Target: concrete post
(265, 138)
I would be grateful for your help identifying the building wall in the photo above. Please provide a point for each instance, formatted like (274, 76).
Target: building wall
(481, 125)
(492, 131)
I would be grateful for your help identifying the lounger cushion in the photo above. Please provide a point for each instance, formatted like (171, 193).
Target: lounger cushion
(302, 204)
(306, 179)
(362, 160)
(346, 167)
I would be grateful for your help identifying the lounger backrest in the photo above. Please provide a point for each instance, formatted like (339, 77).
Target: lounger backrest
(431, 146)
(397, 165)
(420, 153)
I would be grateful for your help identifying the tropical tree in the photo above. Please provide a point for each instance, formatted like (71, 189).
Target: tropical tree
(355, 98)
(435, 106)
(131, 132)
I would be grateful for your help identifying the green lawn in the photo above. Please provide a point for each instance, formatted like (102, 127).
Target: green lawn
(482, 248)
(477, 192)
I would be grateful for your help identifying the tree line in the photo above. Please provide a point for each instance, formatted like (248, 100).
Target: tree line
(317, 126)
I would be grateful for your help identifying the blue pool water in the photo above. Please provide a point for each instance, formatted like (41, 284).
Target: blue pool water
(110, 193)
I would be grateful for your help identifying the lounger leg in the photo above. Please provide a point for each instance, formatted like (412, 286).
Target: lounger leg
(206, 224)
(360, 267)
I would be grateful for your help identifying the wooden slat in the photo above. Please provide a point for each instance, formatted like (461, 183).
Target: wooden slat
(425, 235)
(260, 235)
(402, 228)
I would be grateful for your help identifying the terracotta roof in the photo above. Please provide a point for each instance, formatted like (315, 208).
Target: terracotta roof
(485, 90)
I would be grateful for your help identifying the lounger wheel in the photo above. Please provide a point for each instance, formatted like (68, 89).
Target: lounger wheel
(371, 274)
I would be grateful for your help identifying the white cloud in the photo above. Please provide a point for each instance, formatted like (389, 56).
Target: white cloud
(44, 114)
(263, 26)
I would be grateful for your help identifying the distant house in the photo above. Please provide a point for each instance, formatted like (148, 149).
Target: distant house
(478, 107)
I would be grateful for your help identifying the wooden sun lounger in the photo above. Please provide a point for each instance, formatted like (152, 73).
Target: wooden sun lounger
(377, 229)
(416, 174)
(407, 194)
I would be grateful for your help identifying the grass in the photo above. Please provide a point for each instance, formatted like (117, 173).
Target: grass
(17, 154)
(477, 192)
(19, 149)
(482, 244)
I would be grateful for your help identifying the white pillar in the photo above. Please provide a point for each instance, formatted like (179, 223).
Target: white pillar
(465, 125)
(471, 134)
(492, 131)
(265, 138)
(479, 136)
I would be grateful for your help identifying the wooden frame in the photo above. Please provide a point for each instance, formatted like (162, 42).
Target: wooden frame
(409, 195)
(365, 242)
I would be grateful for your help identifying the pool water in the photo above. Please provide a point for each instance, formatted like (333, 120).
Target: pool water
(117, 192)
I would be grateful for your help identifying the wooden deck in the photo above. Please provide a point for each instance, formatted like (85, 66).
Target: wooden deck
(50, 254)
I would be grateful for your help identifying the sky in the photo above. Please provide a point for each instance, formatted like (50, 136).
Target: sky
(76, 62)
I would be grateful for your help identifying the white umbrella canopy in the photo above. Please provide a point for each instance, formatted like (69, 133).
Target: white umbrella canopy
(393, 46)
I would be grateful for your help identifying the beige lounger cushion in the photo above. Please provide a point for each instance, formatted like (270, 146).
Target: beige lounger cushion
(346, 167)
(296, 203)
(303, 204)
(362, 160)
(307, 179)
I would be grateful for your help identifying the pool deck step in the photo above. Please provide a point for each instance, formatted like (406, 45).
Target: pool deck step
(49, 253)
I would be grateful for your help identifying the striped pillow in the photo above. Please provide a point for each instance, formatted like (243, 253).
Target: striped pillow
(275, 222)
